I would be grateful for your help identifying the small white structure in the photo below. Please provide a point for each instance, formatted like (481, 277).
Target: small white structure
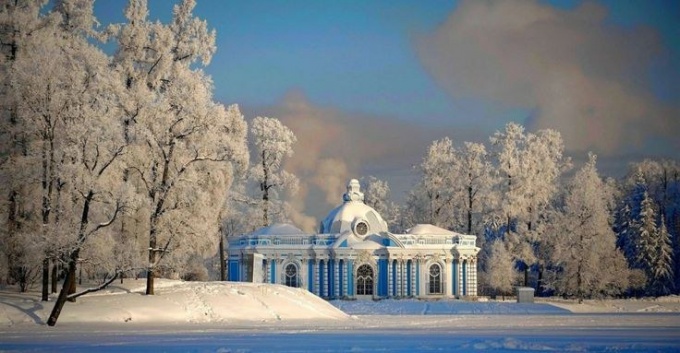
(355, 256)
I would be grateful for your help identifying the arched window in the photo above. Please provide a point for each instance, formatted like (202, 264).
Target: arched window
(291, 274)
(364, 280)
(435, 285)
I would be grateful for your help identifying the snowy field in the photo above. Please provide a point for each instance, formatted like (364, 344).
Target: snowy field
(239, 317)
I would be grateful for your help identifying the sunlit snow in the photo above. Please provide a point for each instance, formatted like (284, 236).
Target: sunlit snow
(242, 317)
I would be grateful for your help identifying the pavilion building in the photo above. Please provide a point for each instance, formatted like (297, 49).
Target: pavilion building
(354, 256)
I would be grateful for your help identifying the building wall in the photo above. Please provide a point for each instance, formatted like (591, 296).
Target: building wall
(402, 274)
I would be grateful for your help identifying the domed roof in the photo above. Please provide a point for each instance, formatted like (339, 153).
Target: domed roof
(352, 212)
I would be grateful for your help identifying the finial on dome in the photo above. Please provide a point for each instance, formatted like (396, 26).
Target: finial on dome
(353, 192)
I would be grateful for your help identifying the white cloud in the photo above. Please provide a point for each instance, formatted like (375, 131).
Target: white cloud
(581, 76)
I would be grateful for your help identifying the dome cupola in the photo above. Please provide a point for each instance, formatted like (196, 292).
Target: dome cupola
(353, 215)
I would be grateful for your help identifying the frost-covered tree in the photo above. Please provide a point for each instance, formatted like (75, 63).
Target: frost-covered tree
(647, 234)
(431, 201)
(626, 220)
(584, 253)
(377, 195)
(528, 167)
(662, 272)
(52, 67)
(654, 249)
(17, 21)
(509, 150)
(473, 175)
(183, 145)
(61, 89)
(500, 273)
(660, 180)
(273, 142)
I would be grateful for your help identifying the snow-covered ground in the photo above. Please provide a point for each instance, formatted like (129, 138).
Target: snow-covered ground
(241, 317)
(175, 302)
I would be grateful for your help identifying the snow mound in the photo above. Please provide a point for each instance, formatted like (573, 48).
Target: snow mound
(175, 302)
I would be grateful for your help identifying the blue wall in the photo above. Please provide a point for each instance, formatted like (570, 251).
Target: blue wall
(331, 278)
(310, 272)
(394, 278)
(322, 278)
(382, 277)
(409, 280)
(234, 271)
(454, 276)
(350, 278)
(341, 272)
(465, 267)
(417, 278)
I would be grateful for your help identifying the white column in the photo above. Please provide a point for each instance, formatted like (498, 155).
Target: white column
(464, 263)
(446, 278)
(316, 277)
(399, 279)
(417, 270)
(389, 277)
(344, 277)
(336, 281)
(472, 270)
(402, 268)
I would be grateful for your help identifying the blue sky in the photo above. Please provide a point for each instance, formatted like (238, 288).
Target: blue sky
(398, 74)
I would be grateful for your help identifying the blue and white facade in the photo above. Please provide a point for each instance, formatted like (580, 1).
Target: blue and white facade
(355, 256)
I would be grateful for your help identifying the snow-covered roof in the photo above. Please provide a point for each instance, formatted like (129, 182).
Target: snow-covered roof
(429, 229)
(353, 210)
(279, 229)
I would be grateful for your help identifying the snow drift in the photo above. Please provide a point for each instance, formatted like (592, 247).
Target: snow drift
(175, 302)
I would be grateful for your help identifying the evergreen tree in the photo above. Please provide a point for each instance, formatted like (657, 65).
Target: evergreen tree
(647, 235)
(662, 269)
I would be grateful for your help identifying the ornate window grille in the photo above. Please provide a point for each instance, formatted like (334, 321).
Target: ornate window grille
(364, 280)
(291, 273)
(435, 279)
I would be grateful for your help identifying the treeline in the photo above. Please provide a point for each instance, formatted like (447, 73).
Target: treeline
(579, 236)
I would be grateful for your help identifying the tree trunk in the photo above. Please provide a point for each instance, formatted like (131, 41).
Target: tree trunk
(55, 274)
(469, 213)
(149, 281)
(72, 282)
(69, 282)
(264, 186)
(223, 265)
(63, 295)
(45, 279)
(47, 187)
(470, 199)
(539, 285)
(150, 271)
